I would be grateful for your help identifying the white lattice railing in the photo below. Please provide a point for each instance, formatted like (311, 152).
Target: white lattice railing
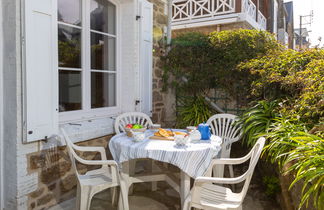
(194, 9)
(249, 8)
(262, 21)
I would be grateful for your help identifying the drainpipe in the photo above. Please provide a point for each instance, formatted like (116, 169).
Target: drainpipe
(169, 34)
(218, 28)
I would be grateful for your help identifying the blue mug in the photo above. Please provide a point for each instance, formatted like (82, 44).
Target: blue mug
(204, 131)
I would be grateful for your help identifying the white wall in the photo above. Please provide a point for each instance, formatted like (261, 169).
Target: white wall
(1, 114)
(16, 181)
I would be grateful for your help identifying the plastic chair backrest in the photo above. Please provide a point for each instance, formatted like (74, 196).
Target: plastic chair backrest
(131, 118)
(73, 155)
(224, 126)
(254, 158)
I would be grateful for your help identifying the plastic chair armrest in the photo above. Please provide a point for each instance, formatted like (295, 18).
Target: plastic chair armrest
(201, 180)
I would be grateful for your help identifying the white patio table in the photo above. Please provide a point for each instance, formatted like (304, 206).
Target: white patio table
(192, 159)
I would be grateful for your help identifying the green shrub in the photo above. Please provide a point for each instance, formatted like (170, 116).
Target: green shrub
(272, 185)
(293, 78)
(194, 111)
(308, 163)
(190, 62)
(279, 134)
(257, 120)
(210, 61)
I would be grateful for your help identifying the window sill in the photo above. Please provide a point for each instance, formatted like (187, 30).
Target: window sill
(89, 129)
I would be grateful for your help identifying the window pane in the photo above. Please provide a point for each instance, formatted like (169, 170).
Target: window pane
(69, 90)
(103, 90)
(69, 11)
(103, 16)
(69, 46)
(103, 52)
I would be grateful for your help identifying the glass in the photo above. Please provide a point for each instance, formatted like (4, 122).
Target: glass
(69, 11)
(69, 46)
(103, 89)
(103, 52)
(102, 17)
(70, 91)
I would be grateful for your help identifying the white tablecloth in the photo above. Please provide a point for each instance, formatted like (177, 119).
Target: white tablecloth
(193, 159)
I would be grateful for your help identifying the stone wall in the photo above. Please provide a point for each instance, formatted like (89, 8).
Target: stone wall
(56, 178)
(163, 102)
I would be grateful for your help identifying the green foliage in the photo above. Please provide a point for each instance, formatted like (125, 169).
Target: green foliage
(235, 47)
(257, 120)
(295, 78)
(272, 184)
(207, 62)
(191, 64)
(308, 163)
(194, 111)
(281, 131)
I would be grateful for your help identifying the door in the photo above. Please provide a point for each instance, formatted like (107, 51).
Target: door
(145, 56)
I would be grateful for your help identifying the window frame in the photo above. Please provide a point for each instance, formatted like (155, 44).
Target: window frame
(87, 113)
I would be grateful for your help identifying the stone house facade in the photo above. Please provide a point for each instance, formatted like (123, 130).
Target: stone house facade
(38, 174)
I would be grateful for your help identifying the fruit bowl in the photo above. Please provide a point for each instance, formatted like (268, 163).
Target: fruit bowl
(134, 128)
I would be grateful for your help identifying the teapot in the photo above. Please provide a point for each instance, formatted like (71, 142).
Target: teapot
(195, 135)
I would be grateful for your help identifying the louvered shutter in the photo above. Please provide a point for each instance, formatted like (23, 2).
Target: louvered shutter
(40, 65)
(146, 56)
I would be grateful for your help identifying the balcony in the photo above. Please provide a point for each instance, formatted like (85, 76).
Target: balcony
(197, 13)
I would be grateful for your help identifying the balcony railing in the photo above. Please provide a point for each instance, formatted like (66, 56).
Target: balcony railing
(262, 21)
(195, 11)
(249, 8)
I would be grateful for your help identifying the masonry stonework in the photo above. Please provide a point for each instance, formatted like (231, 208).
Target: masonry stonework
(163, 102)
(56, 177)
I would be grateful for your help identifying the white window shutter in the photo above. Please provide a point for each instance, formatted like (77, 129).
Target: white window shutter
(40, 62)
(146, 56)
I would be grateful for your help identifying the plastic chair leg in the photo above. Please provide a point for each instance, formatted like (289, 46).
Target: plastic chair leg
(230, 168)
(123, 196)
(231, 172)
(132, 167)
(78, 197)
(85, 198)
(113, 192)
(154, 169)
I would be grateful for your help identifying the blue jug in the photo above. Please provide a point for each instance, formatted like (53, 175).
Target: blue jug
(204, 131)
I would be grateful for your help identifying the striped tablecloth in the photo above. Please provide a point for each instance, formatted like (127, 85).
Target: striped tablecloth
(193, 159)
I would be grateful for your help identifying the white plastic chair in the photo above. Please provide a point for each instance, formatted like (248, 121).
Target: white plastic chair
(206, 194)
(93, 181)
(131, 118)
(223, 125)
(134, 118)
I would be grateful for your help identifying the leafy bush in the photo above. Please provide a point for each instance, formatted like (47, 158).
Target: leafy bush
(208, 62)
(295, 79)
(308, 163)
(272, 185)
(235, 47)
(279, 134)
(191, 64)
(194, 111)
(257, 120)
